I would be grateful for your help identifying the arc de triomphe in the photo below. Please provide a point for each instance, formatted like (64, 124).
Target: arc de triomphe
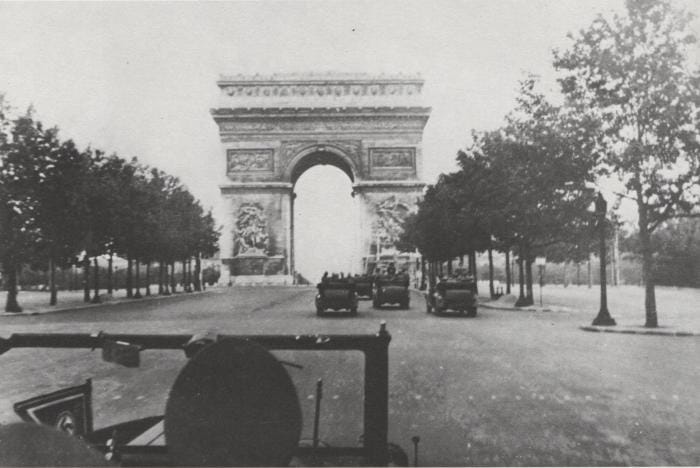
(274, 128)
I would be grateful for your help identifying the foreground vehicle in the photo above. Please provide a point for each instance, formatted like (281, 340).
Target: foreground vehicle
(457, 295)
(213, 415)
(391, 290)
(336, 295)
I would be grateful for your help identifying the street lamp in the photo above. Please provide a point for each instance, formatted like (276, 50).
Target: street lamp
(603, 318)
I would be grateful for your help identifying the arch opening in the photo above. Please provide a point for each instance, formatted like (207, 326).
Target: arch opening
(326, 219)
(323, 158)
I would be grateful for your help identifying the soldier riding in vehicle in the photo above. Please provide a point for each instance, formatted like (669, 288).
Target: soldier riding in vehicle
(336, 292)
(457, 293)
(391, 288)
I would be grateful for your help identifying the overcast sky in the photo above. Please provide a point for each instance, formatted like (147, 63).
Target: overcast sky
(139, 79)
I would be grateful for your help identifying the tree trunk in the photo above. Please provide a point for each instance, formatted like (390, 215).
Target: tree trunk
(86, 278)
(521, 280)
(590, 272)
(616, 256)
(475, 273)
(647, 268)
(431, 275)
(129, 278)
(173, 284)
(11, 304)
(492, 291)
(166, 286)
(566, 274)
(137, 279)
(52, 283)
(528, 278)
(189, 275)
(578, 273)
(96, 280)
(508, 272)
(449, 267)
(197, 273)
(423, 273)
(110, 274)
(148, 278)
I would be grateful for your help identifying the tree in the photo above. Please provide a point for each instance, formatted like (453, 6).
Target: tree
(633, 72)
(206, 238)
(62, 210)
(531, 192)
(677, 246)
(24, 145)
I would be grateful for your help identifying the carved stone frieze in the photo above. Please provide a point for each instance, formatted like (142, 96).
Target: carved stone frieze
(290, 148)
(353, 148)
(312, 90)
(389, 158)
(250, 160)
(290, 125)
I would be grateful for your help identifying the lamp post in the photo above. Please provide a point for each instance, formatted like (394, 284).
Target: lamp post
(603, 318)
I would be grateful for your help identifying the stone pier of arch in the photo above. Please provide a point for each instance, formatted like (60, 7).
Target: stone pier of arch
(274, 128)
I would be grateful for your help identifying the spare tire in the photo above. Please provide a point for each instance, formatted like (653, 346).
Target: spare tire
(233, 404)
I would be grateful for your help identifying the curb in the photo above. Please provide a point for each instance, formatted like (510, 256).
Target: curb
(632, 331)
(518, 309)
(101, 304)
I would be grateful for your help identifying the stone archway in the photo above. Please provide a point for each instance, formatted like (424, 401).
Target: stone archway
(306, 158)
(316, 154)
(274, 128)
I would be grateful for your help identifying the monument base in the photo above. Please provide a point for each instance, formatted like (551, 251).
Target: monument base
(256, 265)
(262, 280)
(255, 270)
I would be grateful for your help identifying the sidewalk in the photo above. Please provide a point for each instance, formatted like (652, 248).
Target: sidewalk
(678, 312)
(507, 302)
(37, 302)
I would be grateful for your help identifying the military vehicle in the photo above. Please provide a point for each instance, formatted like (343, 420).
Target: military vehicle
(391, 289)
(456, 295)
(232, 404)
(336, 295)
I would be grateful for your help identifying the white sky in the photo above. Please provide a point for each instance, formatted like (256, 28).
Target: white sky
(326, 224)
(138, 79)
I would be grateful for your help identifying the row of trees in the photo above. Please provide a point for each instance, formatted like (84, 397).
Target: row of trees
(521, 188)
(62, 206)
(631, 112)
